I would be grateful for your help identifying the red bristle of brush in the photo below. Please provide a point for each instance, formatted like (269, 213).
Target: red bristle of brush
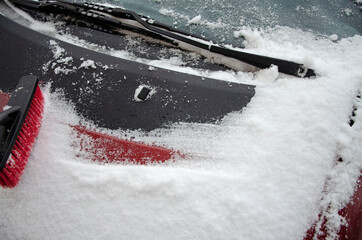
(11, 173)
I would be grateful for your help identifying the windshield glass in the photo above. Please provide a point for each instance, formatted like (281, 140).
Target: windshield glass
(222, 20)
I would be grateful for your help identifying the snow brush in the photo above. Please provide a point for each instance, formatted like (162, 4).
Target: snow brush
(19, 126)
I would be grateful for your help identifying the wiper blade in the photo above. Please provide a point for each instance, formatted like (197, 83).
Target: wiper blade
(114, 17)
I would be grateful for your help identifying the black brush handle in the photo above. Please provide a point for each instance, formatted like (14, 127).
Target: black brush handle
(11, 120)
(8, 122)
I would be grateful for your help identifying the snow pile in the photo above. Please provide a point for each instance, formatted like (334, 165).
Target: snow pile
(252, 36)
(87, 64)
(195, 20)
(61, 63)
(333, 37)
(341, 179)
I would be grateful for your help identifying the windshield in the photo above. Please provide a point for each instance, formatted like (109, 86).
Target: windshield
(222, 20)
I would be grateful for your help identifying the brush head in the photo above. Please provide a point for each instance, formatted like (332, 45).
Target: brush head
(19, 126)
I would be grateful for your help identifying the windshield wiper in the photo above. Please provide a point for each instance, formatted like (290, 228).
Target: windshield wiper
(113, 18)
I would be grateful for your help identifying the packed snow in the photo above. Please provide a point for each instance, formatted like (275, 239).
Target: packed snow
(260, 174)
